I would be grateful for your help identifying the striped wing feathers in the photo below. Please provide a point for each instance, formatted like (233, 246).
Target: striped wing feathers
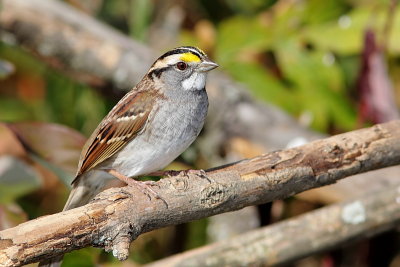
(120, 126)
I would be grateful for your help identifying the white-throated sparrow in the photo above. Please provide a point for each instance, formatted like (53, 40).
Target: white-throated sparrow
(148, 128)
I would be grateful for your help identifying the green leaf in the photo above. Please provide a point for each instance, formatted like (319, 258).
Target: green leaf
(262, 84)
(317, 11)
(240, 34)
(139, 18)
(345, 34)
(319, 84)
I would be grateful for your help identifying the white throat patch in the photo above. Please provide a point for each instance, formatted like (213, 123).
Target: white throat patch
(196, 81)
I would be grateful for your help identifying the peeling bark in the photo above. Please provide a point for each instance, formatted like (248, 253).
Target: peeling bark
(117, 216)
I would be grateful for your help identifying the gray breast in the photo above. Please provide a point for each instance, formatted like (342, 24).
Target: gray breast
(169, 132)
(180, 118)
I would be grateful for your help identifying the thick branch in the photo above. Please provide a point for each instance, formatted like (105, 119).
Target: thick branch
(75, 43)
(119, 215)
(301, 236)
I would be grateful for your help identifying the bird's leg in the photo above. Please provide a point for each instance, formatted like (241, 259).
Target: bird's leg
(144, 187)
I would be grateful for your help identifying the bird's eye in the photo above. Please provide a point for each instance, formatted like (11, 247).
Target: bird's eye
(181, 65)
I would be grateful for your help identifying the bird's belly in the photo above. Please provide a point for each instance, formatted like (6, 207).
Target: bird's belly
(139, 159)
(159, 145)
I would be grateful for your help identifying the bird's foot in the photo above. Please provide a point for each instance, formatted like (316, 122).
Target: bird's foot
(143, 186)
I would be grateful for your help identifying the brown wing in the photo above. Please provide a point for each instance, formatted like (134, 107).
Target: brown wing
(120, 126)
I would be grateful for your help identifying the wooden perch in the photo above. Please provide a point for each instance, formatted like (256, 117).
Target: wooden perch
(301, 236)
(94, 53)
(119, 215)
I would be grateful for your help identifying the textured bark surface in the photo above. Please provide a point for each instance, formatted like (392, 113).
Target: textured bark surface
(94, 53)
(299, 237)
(118, 216)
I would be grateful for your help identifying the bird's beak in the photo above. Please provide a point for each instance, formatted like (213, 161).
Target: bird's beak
(207, 65)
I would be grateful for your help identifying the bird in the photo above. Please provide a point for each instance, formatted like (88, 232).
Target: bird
(147, 129)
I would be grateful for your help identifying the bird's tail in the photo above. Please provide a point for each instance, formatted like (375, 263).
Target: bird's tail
(84, 188)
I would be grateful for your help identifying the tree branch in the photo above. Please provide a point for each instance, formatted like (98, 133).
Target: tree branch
(117, 216)
(301, 236)
(65, 38)
(69, 40)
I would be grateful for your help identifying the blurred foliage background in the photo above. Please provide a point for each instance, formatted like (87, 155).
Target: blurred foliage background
(321, 61)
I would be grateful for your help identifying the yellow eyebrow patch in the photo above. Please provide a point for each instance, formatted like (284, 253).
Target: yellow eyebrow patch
(189, 57)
